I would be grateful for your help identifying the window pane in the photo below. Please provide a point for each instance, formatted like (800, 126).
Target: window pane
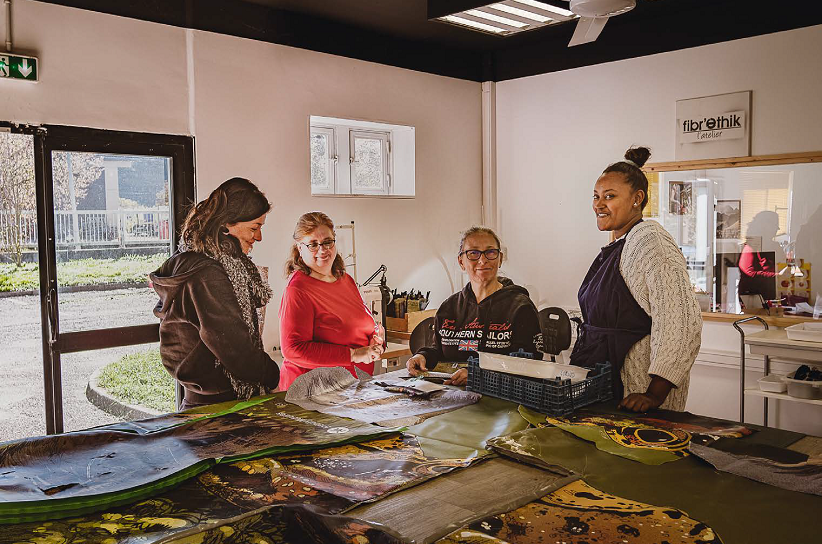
(368, 164)
(130, 375)
(22, 406)
(749, 234)
(112, 228)
(319, 161)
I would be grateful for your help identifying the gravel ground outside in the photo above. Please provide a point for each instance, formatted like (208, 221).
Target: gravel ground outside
(22, 409)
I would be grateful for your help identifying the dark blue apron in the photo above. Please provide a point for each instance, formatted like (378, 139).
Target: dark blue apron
(612, 320)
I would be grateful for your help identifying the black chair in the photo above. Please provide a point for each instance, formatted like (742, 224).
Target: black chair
(556, 330)
(422, 335)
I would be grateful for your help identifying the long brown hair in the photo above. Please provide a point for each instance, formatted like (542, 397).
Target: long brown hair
(306, 224)
(234, 201)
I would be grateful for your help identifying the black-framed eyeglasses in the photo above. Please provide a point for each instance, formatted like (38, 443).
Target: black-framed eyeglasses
(313, 247)
(474, 254)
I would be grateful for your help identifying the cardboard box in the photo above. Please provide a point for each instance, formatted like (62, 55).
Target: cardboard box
(407, 323)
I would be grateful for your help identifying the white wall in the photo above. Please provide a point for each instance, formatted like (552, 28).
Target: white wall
(556, 133)
(248, 105)
(255, 123)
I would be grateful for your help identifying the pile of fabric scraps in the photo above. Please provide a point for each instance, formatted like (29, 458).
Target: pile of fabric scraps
(62, 475)
(333, 390)
(242, 498)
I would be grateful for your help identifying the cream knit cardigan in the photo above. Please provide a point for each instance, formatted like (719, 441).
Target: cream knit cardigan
(654, 270)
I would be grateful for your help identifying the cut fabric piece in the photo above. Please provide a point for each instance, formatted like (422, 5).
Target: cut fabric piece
(333, 390)
(803, 476)
(649, 440)
(469, 427)
(431, 510)
(64, 475)
(579, 513)
(662, 419)
(358, 472)
(332, 480)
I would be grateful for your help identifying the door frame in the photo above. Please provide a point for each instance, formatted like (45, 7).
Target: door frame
(50, 138)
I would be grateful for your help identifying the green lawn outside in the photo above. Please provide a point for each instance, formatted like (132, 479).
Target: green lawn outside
(128, 269)
(140, 379)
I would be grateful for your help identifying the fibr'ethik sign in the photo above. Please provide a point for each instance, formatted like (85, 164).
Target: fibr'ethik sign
(18, 67)
(724, 126)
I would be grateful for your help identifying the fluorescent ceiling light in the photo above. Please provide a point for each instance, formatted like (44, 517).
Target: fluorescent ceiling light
(473, 24)
(507, 17)
(495, 18)
(521, 12)
(546, 7)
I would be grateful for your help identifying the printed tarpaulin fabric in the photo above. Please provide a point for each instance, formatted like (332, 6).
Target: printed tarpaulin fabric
(333, 390)
(73, 473)
(331, 479)
(291, 524)
(580, 514)
(652, 440)
(803, 476)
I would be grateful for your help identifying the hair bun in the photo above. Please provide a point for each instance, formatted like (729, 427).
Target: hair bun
(638, 155)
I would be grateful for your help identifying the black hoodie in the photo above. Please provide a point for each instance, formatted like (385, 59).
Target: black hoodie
(503, 322)
(201, 322)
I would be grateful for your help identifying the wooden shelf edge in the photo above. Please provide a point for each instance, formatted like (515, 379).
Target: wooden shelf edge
(754, 160)
(756, 392)
(773, 321)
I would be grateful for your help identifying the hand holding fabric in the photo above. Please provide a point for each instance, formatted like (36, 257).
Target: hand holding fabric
(416, 365)
(460, 377)
(366, 354)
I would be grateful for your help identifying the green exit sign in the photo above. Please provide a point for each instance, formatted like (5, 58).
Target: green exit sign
(18, 67)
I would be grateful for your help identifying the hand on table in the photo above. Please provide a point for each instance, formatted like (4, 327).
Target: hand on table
(416, 365)
(460, 377)
(656, 394)
(639, 402)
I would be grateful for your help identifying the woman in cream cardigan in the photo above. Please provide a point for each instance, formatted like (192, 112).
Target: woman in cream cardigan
(639, 309)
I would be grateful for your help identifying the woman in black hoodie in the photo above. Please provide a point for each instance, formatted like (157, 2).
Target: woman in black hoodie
(490, 314)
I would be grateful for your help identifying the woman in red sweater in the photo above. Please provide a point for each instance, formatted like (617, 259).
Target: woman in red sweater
(323, 320)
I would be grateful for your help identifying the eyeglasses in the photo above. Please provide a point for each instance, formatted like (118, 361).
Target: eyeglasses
(474, 254)
(313, 247)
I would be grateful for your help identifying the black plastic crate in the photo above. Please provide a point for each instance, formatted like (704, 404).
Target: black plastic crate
(555, 397)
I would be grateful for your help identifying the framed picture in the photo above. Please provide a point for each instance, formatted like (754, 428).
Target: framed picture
(728, 219)
(680, 197)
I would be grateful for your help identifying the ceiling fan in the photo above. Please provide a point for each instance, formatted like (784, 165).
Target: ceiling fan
(593, 14)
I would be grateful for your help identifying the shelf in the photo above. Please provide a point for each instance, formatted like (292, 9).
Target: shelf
(781, 396)
(776, 343)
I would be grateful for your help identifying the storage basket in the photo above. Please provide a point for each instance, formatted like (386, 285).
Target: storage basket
(555, 397)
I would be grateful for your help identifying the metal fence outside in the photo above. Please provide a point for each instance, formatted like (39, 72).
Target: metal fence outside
(90, 228)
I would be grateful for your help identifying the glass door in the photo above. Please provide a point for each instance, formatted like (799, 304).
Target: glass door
(109, 207)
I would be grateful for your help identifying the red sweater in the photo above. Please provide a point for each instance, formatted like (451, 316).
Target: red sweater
(319, 321)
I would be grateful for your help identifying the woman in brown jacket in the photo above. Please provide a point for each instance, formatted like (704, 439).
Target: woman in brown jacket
(210, 293)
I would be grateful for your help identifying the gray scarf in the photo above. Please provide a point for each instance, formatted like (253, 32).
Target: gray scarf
(252, 295)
